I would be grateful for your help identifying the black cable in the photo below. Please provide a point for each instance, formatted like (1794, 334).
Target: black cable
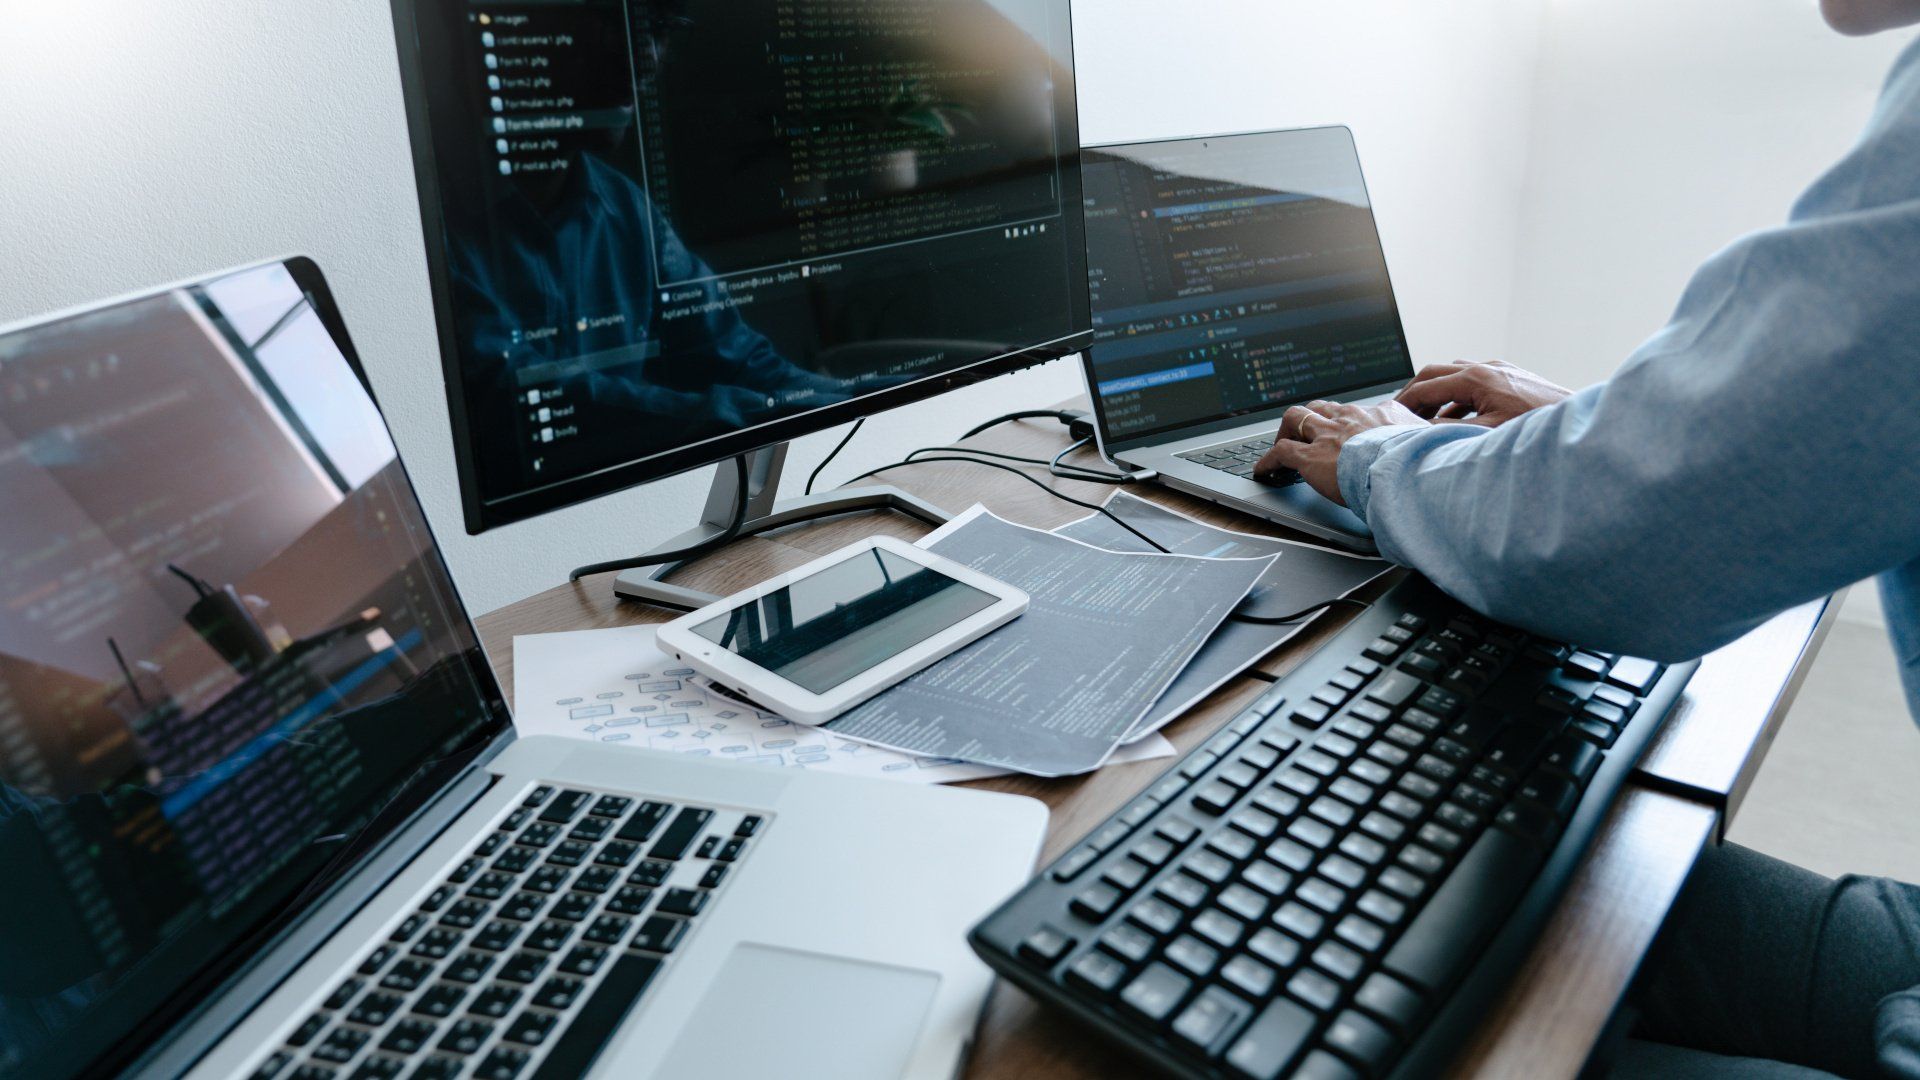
(1029, 414)
(834, 453)
(1288, 620)
(712, 543)
(1036, 482)
(1087, 475)
(1090, 475)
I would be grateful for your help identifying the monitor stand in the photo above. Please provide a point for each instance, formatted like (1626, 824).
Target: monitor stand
(764, 514)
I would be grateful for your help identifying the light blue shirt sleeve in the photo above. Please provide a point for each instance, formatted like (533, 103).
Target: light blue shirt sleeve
(1761, 450)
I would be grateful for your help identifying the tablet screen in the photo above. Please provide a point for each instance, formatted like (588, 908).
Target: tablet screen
(833, 625)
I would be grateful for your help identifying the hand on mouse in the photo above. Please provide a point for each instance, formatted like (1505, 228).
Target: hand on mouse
(1488, 393)
(1312, 435)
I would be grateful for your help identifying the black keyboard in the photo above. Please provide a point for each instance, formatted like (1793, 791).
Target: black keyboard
(527, 956)
(1239, 458)
(1339, 881)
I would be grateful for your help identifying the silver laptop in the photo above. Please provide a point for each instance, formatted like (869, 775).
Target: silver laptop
(262, 812)
(1234, 276)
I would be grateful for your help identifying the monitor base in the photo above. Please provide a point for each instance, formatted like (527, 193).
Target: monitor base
(764, 514)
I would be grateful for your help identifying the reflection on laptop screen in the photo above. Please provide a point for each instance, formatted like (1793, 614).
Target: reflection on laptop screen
(225, 643)
(1233, 275)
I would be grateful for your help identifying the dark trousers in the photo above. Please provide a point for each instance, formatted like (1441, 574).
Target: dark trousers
(1765, 969)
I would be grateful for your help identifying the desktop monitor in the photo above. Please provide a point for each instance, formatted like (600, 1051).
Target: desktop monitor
(664, 233)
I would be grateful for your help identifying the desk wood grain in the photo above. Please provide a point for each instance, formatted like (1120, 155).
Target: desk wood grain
(1578, 970)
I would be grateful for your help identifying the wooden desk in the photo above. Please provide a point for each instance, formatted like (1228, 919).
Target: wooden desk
(1564, 996)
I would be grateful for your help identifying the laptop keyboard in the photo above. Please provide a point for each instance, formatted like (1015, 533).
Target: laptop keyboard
(1239, 459)
(528, 955)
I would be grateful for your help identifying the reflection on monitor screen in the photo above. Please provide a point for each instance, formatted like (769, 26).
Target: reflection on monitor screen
(225, 644)
(1234, 275)
(664, 222)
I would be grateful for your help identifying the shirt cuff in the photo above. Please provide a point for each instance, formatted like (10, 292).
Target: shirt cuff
(1355, 471)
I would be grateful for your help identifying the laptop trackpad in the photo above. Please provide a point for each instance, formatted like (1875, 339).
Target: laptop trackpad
(777, 1012)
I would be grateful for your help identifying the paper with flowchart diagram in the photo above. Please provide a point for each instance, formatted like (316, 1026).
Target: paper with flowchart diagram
(616, 687)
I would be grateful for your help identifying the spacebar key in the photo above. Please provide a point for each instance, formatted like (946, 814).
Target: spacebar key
(1475, 899)
(576, 1048)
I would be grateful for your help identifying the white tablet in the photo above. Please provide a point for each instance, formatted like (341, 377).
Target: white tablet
(814, 643)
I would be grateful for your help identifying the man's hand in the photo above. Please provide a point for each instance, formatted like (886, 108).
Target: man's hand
(1312, 435)
(1488, 394)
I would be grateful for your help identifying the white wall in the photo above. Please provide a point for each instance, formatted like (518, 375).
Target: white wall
(1664, 129)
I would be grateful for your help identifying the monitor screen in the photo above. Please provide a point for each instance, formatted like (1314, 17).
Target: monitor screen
(663, 232)
(226, 644)
(1233, 275)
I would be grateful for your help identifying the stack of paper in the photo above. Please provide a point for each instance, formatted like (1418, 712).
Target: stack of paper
(1113, 632)
(1118, 640)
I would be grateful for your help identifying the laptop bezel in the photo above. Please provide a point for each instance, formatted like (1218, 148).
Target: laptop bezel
(212, 1000)
(1110, 447)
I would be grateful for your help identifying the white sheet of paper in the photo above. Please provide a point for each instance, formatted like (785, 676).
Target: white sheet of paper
(616, 686)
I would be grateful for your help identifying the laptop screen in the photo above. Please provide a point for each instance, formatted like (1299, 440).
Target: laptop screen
(1233, 275)
(226, 644)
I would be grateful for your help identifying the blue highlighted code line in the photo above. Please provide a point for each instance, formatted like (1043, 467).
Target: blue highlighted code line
(1156, 378)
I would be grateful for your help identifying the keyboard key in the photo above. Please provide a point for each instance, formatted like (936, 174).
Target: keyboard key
(559, 992)
(1213, 1016)
(565, 806)
(1097, 971)
(584, 960)
(1467, 907)
(409, 1036)
(1128, 942)
(1272, 1041)
(591, 828)
(1391, 1001)
(407, 975)
(1156, 915)
(530, 1028)
(469, 967)
(1219, 928)
(375, 1009)
(644, 821)
(1096, 902)
(439, 1000)
(1249, 976)
(1046, 946)
(574, 1051)
(1362, 934)
(660, 933)
(1215, 798)
(1186, 892)
(495, 1002)
(523, 967)
(1362, 1040)
(1381, 907)
(650, 873)
(610, 806)
(1156, 992)
(340, 1045)
(688, 902)
(630, 900)
(1193, 955)
(1276, 948)
(1268, 877)
(1339, 961)
(1315, 988)
(504, 1063)
(1243, 902)
(1299, 920)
